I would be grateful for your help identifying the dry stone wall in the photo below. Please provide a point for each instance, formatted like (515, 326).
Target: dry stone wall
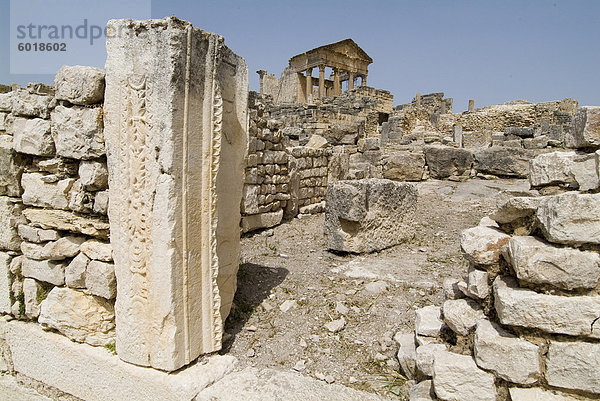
(523, 322)
(56, 259)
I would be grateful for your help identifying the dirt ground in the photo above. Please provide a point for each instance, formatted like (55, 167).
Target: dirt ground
(290, 286)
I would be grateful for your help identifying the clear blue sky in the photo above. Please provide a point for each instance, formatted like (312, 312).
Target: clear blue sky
(490, 51)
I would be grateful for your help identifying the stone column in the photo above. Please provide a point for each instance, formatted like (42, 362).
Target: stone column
(350, 80)
(364, 81)
(337, 86)
(471, 105)
(176, 133)
(309, 85)
(301, 84)
(321, 81)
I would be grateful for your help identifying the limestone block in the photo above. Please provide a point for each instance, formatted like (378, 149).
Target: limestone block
(502, 161)
(585, 128)
(457, 378)
(10, 217)
(450, 287)
(517, 208)
(65, 247)
(93, 374)
(6, 101)
(569, 168)
(369, 215)
(176, 136)
(39, 192)
(317, 142)
(101, 202)
(250, 199)
(507, 356)
(28, 104)
(75, 271)
(80, 317)
(538, 262)
(37, 235)
(79, 84)
(5, 282)
(67, 221)
(422, 391)
(44, 270)
(482, 245)
(77, 132)
(263, 220)
(59, 166)
(97, 250)
(550, 313)
(446, 161)
(477, 284)
(100, 279)
(570, 218)
(462, 315)
(428, 321)
(31, 291)
(537, 394)
(80, 200)
(404, 166)
(424, 357)
(11, 168)
(32, 136)
(93, 175)
(406, 353)
(574, 366)
(539, 142)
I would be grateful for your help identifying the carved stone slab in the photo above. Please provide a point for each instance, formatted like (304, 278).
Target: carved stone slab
(176, 134)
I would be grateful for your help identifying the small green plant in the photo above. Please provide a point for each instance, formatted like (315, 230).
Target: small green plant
(21, 299)
(112, 348)
(394, 383)
(42, 293)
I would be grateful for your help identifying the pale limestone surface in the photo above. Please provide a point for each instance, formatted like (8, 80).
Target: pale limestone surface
(28, 104)
(422, 391)
(424, 357)
(64, 247)
(369, 215)
(252, 384)
(574, 366)
(31, 289)
(457, 378)
(5, 282)
(462, 315)
(507, 356)
(37, 235)
(263, 220)
(585, 128)
(97, 250)
(10, 218)
(428, 321)
(537, 394)
(477, 283)
(49, 271)
(568, 168)
(406, 353)
(80, 317)
(75, 271)
(93, 175)
(100, 279)
(538, 262)
(175, 150)
(559, 218)
(40, 192)
(79, 84)
(516, 208)
(550, 313)
(77, 132)
(94, 374)
(67, 221)
(32, 136)
(11, 168)
(482, 244)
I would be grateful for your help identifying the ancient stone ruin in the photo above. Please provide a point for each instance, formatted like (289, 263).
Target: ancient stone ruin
(126, 193)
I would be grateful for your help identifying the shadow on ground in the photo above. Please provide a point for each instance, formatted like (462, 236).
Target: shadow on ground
(254, 284)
